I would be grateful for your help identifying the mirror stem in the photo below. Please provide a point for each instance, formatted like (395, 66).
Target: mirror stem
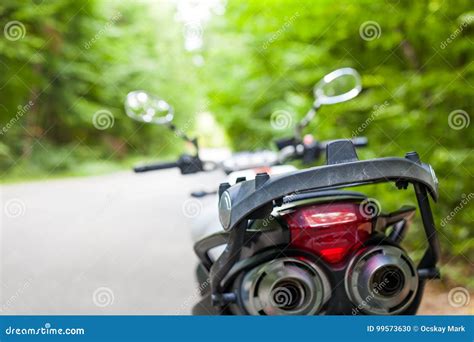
(307, 119)
(180, 134)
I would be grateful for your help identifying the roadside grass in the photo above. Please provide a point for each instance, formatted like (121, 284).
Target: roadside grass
(28, 172)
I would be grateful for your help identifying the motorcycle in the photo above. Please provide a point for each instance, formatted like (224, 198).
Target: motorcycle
(298, 242)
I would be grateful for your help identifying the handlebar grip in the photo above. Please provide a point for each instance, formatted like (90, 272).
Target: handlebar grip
(284, 142)
(152, 167)
(360, 141)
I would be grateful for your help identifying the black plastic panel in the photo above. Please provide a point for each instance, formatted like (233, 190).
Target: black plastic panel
(246, 199)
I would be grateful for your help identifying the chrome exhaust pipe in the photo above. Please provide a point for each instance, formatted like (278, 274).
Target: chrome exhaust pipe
(285, 286)
(381, 280)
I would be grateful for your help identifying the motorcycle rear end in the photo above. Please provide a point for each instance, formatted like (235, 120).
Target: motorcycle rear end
(303, 242)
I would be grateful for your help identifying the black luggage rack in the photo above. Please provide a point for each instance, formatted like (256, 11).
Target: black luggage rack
(255, 199)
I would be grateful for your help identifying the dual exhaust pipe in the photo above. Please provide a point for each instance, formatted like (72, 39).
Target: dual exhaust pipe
(284, 286)
(380, 280)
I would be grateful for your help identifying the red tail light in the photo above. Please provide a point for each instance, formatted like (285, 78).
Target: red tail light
(329, 230)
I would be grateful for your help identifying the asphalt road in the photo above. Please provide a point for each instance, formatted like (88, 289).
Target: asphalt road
(115, 244)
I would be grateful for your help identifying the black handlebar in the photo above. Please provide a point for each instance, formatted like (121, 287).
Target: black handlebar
(187, 164)
(192, 164)
(153, 167)
(284, 142)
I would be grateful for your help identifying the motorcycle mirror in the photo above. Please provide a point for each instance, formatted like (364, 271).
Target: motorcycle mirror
(144, 107)
(338, 86)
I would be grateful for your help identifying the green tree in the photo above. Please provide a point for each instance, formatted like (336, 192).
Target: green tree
(416, 62)
(69, 65)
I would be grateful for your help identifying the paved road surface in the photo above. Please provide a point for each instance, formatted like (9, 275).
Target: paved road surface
(116, 244)
(123, 237)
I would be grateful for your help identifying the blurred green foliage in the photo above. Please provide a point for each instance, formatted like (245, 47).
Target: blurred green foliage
(417, 68)
(74, 59)
(65, 61)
